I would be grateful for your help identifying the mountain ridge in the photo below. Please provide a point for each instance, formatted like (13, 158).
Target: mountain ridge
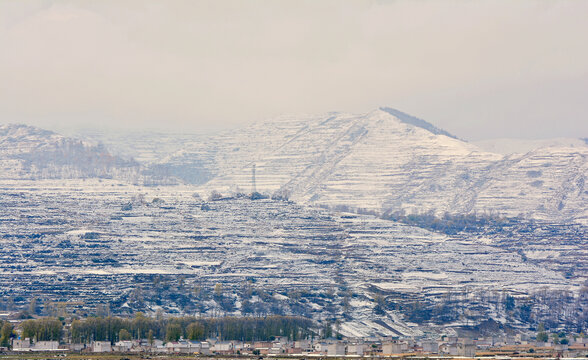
(373, 162)
(377, 162)
(409, 119)
(34, 153)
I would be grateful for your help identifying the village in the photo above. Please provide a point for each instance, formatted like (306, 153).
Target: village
(448, 346)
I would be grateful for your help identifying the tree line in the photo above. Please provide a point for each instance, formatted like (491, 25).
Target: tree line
(450, 224)
(6, 332)
(44, 329)
(171, 329)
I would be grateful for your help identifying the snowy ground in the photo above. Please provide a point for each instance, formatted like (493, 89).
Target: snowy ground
(97, 240)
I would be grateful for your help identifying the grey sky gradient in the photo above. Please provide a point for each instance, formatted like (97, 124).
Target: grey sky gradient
(479, 69)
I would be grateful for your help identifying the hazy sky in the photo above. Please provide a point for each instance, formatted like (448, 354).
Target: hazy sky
(479, 69)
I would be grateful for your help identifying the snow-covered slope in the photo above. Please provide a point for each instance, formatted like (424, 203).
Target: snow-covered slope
(97, 241)
(386, 160)
(508, 146)
(547, 183)
(28, 152)
(379, 161)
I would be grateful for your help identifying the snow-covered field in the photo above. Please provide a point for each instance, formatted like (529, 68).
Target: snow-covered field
(98, 240)
(81, 223)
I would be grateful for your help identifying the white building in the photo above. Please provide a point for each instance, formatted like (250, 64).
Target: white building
(303, 344)
(101, 346)
(467, 350)
(223, 346)
(46, 346)
(448, 349)
(21, 345)
(430, 347)
(194, 346)
(178, 347)
(123, 346)
(336, 349)
(321, 347)
(75, 347)
(205, 348)
(394, 348)
(356, 349)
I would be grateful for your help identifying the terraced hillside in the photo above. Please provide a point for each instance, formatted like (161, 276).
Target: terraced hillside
(386, 160)
(135, 248)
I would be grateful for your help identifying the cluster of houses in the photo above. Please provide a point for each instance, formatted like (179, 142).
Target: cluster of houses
(27, 345)
(449, 346)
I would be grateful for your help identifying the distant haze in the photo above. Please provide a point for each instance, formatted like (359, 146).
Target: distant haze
(478, 69)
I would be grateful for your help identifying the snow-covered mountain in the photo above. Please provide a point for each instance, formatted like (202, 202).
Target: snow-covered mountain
(379, 161)
(386, 160)
(28, 152)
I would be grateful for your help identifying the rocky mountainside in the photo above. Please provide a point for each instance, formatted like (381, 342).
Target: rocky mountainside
(386, 160)
(28, 152)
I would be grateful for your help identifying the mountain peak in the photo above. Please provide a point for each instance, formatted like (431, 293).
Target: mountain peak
(409, 119)
(29, 152)
(23, 130)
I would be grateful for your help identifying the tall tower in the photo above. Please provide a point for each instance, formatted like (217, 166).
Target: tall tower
(253, 186)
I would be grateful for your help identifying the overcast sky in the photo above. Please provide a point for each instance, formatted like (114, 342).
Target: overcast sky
(479, 69)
